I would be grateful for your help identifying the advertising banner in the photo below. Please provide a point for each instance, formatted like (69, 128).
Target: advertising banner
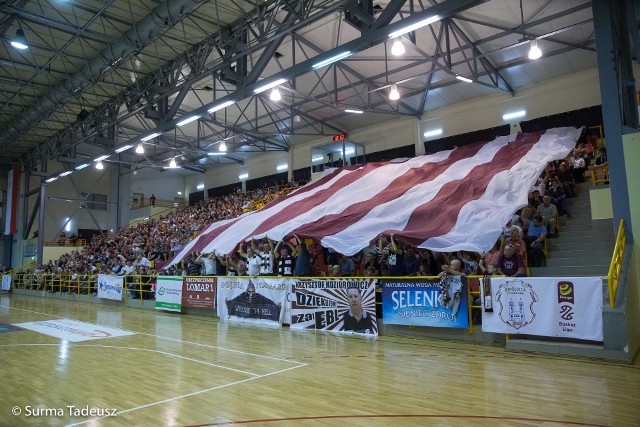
(336, 305)
(547, 306)
(199, 292)
(169, 293)
(110, 287)
(6, 282)
(253, 300)
(438, 302)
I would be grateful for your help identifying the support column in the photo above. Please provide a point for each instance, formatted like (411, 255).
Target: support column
(43, 198)
(617, 88)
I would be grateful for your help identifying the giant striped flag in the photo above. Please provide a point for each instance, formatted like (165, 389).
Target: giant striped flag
(448, 201)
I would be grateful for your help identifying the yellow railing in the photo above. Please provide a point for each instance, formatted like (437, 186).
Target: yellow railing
(600, 174)
(78, 284)
(159, 204)
(140, 287)
(65, 242)
(471, 298)
(616, 264)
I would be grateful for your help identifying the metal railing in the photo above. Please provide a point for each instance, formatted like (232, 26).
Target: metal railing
(615, 268)
(66, 242)
(600, 174)
(140, 287)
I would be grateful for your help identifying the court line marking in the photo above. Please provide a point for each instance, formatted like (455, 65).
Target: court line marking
(177, 356)
(172, 399)
(326, 417)
(170, 339)
(222, 348)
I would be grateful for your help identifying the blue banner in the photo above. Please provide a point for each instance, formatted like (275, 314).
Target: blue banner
(438, 302)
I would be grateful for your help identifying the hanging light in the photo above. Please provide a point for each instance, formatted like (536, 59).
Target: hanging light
(223, 146)
(394, 95)
(99, 165)
(172, 163)
(20, 41)
(397, 48)
(275, 94)
(140, 149)
(534, 50)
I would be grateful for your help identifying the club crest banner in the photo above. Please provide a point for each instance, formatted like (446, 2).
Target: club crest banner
(199, 292)
(169, 293)
(438, 302)
(547, 306)
(253, 300)
(334, 305)
(110, 287)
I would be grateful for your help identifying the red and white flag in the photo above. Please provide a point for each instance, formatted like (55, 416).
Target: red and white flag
(12, 201)
(448, 201)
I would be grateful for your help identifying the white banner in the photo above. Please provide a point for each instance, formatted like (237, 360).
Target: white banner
(6, 282)
(72, 330)
(110, 287)
(169, 293)
(253, 300)
(547, 306)
(336, 305)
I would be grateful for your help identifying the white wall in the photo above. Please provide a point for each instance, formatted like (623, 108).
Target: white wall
(56, 211)
(390, 134)
(549, 97)
(164, 186)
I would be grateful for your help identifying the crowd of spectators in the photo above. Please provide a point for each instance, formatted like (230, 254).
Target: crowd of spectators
(142, 249)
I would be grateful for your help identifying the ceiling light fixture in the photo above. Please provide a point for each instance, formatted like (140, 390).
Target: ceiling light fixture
(514, 115)
(123, 148)
(82, 166)
(275, 94)
(221, 106)
(99, 166)
(534, 50)
(223, 146)
(415, 26)
(331, 60)
(463, 79)
(65, 173)
(20, 41)
(53, 178)
(187, 120)
(348, 110)
(148, 137)
(140, 149)
(268, 86)
(397, 49)
(394, 95)
(101, 158)
(243, 176)
(172, 163)
(282, 167)
(433, 132)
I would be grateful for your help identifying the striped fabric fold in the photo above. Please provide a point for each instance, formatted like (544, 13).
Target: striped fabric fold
(451, 200)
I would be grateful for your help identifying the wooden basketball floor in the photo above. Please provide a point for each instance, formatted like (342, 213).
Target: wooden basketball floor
(187, 370)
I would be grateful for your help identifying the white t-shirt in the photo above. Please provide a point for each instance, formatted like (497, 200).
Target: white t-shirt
(208, 266)
(253, 265)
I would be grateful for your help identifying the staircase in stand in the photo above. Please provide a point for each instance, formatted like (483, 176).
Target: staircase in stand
(584, 247)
